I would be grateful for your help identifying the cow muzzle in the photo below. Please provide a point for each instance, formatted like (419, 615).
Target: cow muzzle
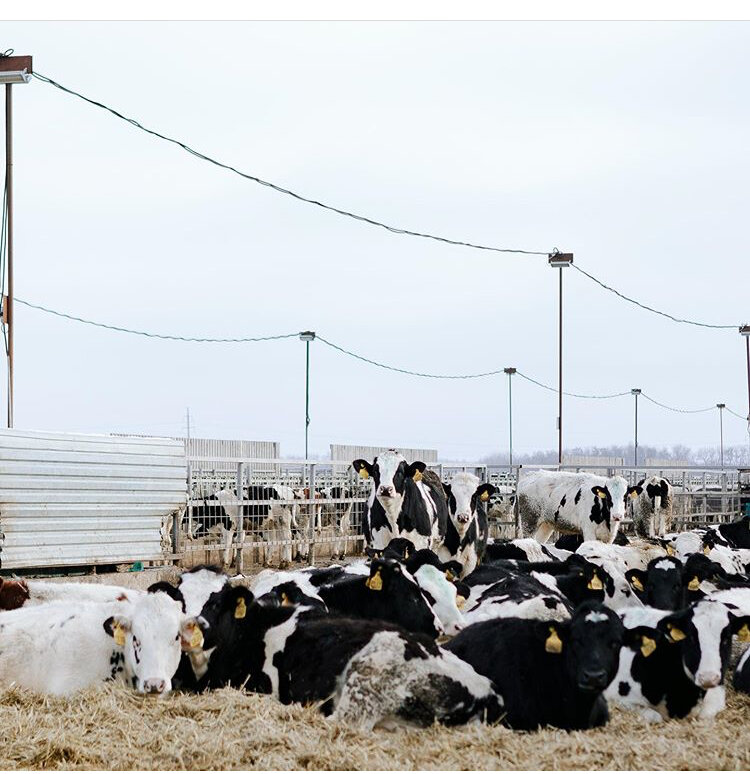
(155, 687)
(594, 680)
(708, 679)
(463, 518)
(386, 491)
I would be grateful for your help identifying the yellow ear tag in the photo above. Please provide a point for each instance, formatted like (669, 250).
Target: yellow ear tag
(484, 496)
(670, 551)
(675, 634)
(743, 635)
(196, 638)
(648, 646)
(636, 584)
(595, 583)
(363, 472)
(241, 610)
(449, 575)
(706, 550)
(633, 495)
(553, 643)
(694, 584)
(460, 601)
(417, 476)
(602, 495)
(285, 601)
(119, 635)
(375, 583)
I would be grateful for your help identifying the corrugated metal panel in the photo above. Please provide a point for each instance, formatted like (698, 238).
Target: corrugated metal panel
(582, 460)
(341, 451)
(69, 499)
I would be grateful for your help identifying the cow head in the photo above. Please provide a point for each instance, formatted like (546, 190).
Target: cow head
(703, 633)
(656, 489)
(589, 643)
(13, 594)
(610, 500)
(660, 584)
(465, 492)
(390, 473)
(151, 632)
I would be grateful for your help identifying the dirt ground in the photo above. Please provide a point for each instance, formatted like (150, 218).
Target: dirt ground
(109, 727)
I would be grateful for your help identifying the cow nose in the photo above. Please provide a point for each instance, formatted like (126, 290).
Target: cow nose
(154, 686)
(386, 491)
(594, 679)
(708, 679)
(464, 518)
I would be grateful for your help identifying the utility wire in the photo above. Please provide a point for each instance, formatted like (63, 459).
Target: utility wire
(677, 410)
(572, 394)
(734, 413)
(280, 189)
(203, 340)
(649, 308)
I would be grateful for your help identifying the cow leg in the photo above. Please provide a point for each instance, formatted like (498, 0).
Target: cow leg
(285, 520)
(544, 532)
(228, 537)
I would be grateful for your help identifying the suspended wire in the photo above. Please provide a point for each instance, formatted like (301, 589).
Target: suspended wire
(739, 416)
(572, 394)
(286, 191)
(649, 308)
(677, 410)
(202, 340)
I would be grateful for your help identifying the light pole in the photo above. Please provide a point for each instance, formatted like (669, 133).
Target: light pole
(745, 331)
(510, 372)
(636, 392)
(560, 261)
(13, 69)
(721, 407)
(307, 337)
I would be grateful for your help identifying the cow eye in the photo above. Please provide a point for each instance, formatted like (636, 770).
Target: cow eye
(177, 638)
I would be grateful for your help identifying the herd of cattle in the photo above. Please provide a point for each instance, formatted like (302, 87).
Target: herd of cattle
(438, 623)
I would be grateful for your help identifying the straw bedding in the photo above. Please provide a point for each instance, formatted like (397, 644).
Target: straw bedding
(111, 728)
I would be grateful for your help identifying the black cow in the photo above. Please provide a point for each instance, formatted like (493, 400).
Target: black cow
(548, 672)
(401, 504)
(362, 672)
(661, 584)
(389, 593)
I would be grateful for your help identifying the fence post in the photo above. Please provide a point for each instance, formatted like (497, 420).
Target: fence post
(516, 506)
(240, 518)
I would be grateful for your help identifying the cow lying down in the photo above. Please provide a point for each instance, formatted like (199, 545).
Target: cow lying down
(366, 673)
(59, 648)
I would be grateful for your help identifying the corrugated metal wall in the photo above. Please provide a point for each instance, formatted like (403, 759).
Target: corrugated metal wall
(341, 451)
(70, 499)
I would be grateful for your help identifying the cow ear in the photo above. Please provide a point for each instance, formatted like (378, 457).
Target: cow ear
(168, 589)
(740, 627)
(599, 492)
(485, 491)
(642, 638)
(555, 635)
(673, 628)
(415, 470)
(191, 635)
(117, 627)
(446, 489)
(634, 491)
(637, 579)
(362, 467)
(238, 600)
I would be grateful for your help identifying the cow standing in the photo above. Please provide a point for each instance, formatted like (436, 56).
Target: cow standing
(558, 501)
(401, 504)
(652, 507)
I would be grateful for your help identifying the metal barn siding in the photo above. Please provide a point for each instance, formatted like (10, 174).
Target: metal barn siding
(341, 451)
(70, 499)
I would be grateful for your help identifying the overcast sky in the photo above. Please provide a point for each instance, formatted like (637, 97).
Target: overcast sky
(625, 143)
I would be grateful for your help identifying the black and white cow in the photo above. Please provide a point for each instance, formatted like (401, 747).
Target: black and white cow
(678, 669)
(466, 531)
(558, 501)
(661, 584)
(523, 549)
(388, 593)
(63, 647)
(401, 504)
(363, 673)
(548, 672)
(652, 506)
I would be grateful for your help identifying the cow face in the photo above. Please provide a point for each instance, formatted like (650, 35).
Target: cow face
(464, 493)
(656, 490)
(609, 503)
(152, 631)
(660, 585)
(590, 644)
(703, 632)
(390, 473)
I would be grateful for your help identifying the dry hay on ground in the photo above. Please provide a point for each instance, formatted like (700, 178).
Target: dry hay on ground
(112, 728)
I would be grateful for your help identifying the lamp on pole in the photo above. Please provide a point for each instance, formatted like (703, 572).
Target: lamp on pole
(307, 337)
(721, 407)
(13, 69)
(510, 372)
(560, 261)
(636, 392)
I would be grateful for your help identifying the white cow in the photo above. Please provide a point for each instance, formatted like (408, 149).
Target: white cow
(59, 648)
(558, 501)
